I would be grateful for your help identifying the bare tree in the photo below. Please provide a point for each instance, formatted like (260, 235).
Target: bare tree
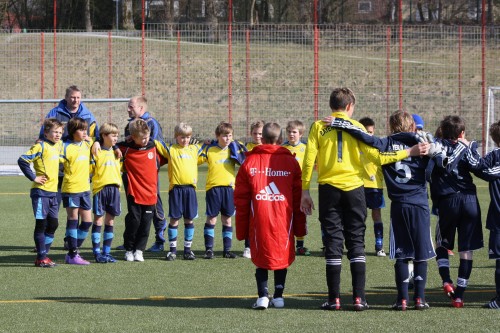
(128, 15)
(212, 21)
(86, 15)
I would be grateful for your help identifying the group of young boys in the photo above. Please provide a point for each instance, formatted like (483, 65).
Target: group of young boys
(266, 195)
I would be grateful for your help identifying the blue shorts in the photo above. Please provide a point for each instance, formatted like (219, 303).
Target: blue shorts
(44, 207)
(107, 200)
(494, 245)
(374, 198)
(77, 200)
(220, 199)
(410, 234)
(459, 213)
(182, 202)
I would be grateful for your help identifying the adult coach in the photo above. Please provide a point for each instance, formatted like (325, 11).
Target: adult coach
(342, 205)
(72, 107)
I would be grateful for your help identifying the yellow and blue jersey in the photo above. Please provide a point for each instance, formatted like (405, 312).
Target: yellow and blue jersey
(251, 145)
(105, 169)
(299, 150)
(372, 174)
(44, 156)
(183, 164)
(221, 167)
(75, 157)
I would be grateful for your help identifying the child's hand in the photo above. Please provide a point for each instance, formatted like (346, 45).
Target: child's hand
(118, 153)
(328, 120)
(96, 148)
(41, 179)
(420, 149)
(306, 203)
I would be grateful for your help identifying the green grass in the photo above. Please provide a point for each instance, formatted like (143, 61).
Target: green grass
(208, 295)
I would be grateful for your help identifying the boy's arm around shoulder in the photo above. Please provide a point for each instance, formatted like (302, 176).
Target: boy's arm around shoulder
(299, 218)
(242, 203)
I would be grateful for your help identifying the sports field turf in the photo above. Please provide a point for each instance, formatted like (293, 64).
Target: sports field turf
(209, 295)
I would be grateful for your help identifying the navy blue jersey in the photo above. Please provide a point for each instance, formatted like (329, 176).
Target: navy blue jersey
(405, 180)
(489, 169)
(455, 177)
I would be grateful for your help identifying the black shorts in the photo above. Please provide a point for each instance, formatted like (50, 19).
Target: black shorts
(494, 245)
(374, 198)
(220, 199)
(410, 235)
(182, 202)
(459, 213)
(342, 215)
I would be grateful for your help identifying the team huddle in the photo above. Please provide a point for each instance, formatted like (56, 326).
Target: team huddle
(269, 195)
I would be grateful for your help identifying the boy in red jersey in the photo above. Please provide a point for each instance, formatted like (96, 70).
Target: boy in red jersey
(267, 199)
(141, 160)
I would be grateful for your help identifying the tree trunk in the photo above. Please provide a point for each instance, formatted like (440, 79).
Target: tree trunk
(169, 17)
(420, 11)
(212, 21)
(490, 12)
(302, 12)
(252, 11)
(86, 15)
(128, 15)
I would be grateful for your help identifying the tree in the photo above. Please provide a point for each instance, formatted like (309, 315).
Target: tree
(128, 15)
(86, 15)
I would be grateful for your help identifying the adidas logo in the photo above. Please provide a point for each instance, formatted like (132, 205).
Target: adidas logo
(270, 193)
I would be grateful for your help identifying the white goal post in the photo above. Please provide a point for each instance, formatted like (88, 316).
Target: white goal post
(493, 98)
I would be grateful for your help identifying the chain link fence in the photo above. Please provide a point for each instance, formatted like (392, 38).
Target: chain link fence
(202, 75)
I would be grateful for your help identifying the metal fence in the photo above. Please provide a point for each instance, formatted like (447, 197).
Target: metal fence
(271, 72)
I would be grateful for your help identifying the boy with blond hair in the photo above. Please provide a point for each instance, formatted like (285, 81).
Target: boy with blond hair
(44, 156)
(221, 156)
(294, 132)
(182, 202)
(106, 178)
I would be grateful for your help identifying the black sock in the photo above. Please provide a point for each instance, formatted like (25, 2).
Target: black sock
(497, 278)
(464, 271)
(333, 269)
(402, 278)
(358, 274)
(443, 263)
(279, 282)
(420, 279)
(261, 276)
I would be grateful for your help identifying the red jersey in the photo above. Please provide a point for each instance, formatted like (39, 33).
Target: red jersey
(140, 165)
(267, 199)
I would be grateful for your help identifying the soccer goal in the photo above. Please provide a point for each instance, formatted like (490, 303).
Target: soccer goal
(493, 114)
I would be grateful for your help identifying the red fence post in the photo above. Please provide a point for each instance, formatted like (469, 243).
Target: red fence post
(388, 78)
(230, 61)
(460, 70)
(178, 76)
(55, 49)
(483, 73)
(400, 19)
(42, 72)
(110, 72)
(143, 52)
(247, 85)
(316, 61)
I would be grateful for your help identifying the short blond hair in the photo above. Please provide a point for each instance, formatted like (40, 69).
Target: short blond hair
(292, 124)
(257, 124)
(108, 128)
(183, 129)
(401, 121)
(271, 133)
(223, 128)
(138, 127)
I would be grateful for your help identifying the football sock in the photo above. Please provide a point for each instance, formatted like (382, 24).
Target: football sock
(160, 227)
(71, 236)
(261, 276)
(209, 233)
(420, 279)
(96, 239)
(108, 236)
(188, 236)
(497, 278)
(39, 238)
(247, 242)
(279, 282)
(378, 228)
(300, 241)
(50, 230)
(358, 273)
(172, 238)
(83, 231)
(227, 237)
(443, 263)
(333, 269)
(402, 278)
(464, 272)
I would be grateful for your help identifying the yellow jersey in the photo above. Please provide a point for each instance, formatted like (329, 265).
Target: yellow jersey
(75, 157)
(45, 158)
(183, 164)
(105, 169)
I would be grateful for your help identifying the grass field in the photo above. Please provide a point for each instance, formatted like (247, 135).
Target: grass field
(208, 295)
